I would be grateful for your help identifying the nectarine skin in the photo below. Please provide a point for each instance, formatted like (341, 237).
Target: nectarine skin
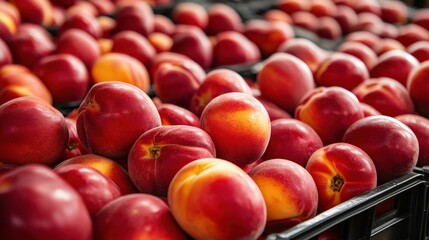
(161, 42)
(158, 154)
(114, 66)
(368, 110)
(370, 39)
(30, 43)
(346, 18)
(341, 171)
(82, 20)
(135, 45)
(274, 111)
(284, 79)
(194, 43)
(217, 82)
(353, 71)
(16, 83)
(142, 216)
(35, 12)
(291, 6)
(277, 15)
(191, 13)
(5, 55)
(420, 127)
(329, 111)
(80, 44)
(245, 51)
(95, 189)
(6, 167)
(386, 95)
(411, 33)
(172, 114)
(421, 18)
(369, 22)
(65, 75)
(212, 198)
(175, 78)
(293, 140)
(74, 147)
(222, 18)
(394, 12)
(112, 116)
(392, 146)
(418, 88)
(107, 24)
(329, 28)
(396, 64)
(239, 126)
(305, 20)
(419, 50)
(388, 44)
(289, 191)
(37, 204)
(107, 167)
(136, 16)
(321, 8)
(10, 20)
(361, 51)
(306, 50)
(268, 36)
(32, 131)
(163, 24)
(179, 60)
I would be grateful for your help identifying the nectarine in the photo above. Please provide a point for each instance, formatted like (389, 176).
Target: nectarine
(239, 126)
(341, 171)
(392, 146)
(32, 131)
(212, 198)
(158, 154)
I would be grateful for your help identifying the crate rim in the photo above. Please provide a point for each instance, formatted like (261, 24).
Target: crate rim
(331, 217)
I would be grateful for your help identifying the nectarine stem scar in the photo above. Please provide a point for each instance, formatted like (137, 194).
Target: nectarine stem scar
(155, 151)
(72, 146)
(337, 183)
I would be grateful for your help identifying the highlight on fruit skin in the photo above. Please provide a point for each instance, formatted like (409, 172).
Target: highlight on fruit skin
(212, 198)
(289, 191)
(239, 125)
(120, 67)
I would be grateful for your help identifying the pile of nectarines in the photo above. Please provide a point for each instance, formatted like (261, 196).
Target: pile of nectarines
(124, 119)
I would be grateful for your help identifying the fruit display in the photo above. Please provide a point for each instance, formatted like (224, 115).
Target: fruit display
(163, 119)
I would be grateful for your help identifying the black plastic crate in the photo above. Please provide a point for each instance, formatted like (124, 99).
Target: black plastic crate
(425, 172)
(361, 217)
